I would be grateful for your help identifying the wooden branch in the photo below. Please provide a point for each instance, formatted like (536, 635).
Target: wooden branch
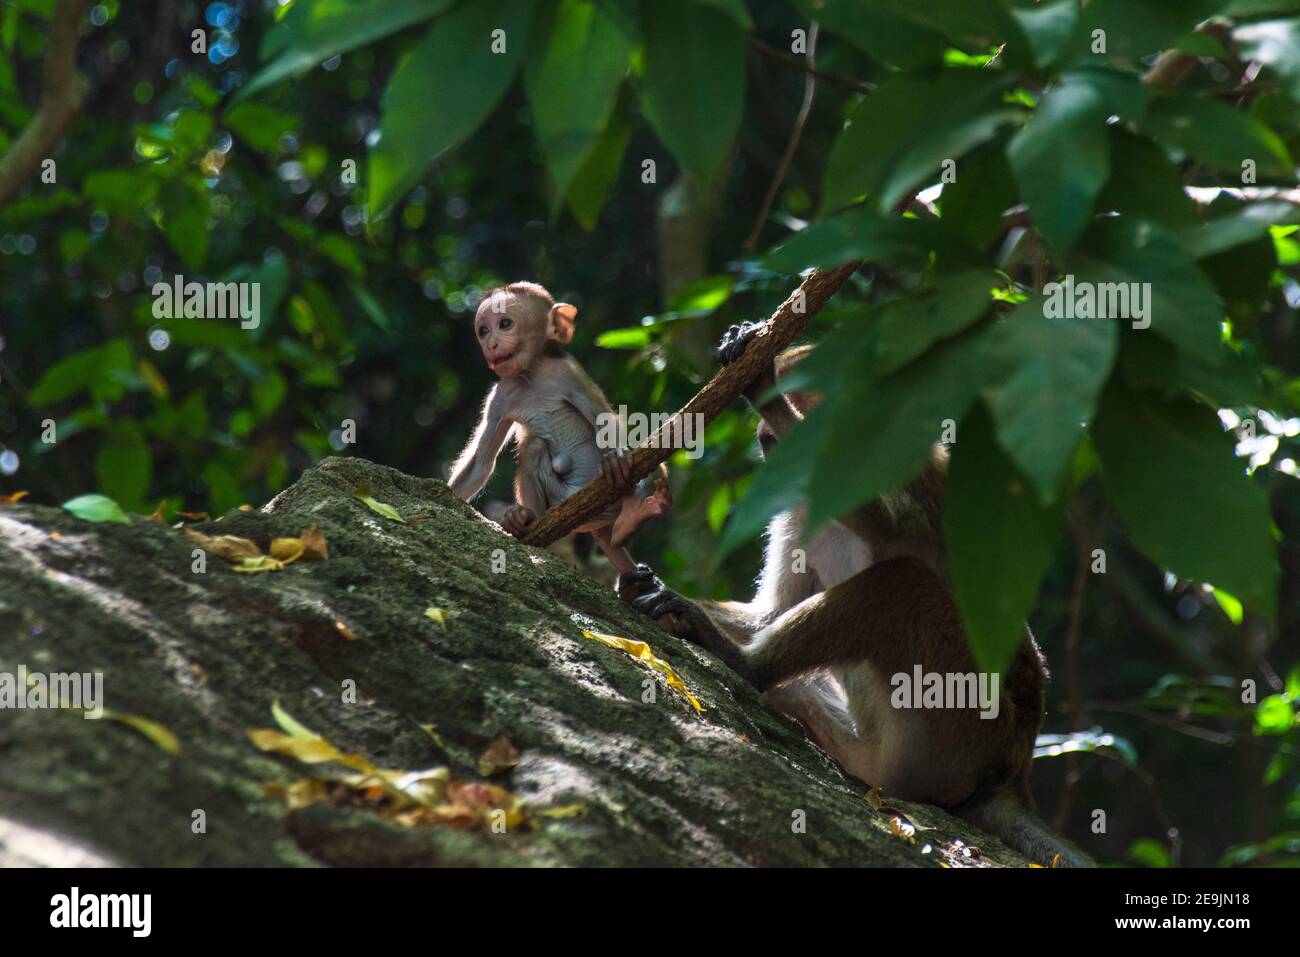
(719, 392)
(62, 92)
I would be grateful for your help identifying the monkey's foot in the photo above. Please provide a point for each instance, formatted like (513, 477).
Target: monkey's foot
(616, 465)
(516, 520)
(635, 511)
(734, 341)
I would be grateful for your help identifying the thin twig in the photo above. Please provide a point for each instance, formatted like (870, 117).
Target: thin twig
(796, 133)
(793, 61)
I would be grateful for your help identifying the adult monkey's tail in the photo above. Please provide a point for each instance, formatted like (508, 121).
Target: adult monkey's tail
(1007, 815)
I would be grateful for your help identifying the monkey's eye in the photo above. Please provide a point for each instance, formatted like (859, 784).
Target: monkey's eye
(505, 323)
(482, 331)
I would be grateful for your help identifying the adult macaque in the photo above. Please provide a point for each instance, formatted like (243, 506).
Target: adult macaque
(550, 406)
(873, 603)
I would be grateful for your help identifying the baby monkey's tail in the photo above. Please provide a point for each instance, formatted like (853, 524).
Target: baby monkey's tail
(1007, 815)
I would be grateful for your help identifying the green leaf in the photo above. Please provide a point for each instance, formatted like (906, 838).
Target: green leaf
(185, 220)
(1181, 305)
(883, 150)
(732, 8)
(96, 508)
(121, 190)
(908, 326)
(881, 432)
(693, 82)
(123, 465)
(633, 337)
(1143, 183)
(999, 540)
(1217, 135)
(572, 76)
(260, 126)
(881, 35)
(1062, 158)
(1048, 29)
(857, 234)
(102, 371)
(599, 173)
(971, 23)
(310, 33)
(703, 295)
(1249, 223)
(1134, 29)
(985, 188)
(1169, 468)
(442, 90)
(1049, 374)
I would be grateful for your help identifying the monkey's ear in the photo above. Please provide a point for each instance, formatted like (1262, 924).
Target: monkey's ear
(561, 319)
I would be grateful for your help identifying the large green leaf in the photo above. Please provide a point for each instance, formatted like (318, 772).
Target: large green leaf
(857, 234)
(1062, 158)
(1246, 225)
(599, 172)
(1170, 470)
(1143, 183)
(999, 540)
(96, 508)
(575, 67)
(1183, 306)
(1217, 134)
(884, 150)
(1134, 28)
(185, 220)
(123, 465)
(906, 327)
(1048, 375)
(442, 89)
(1048, 29)
(310, 33)
(103, 371)
(973, 205)
(881, 431)
(977, 24)
(693, 82)
(881, 35)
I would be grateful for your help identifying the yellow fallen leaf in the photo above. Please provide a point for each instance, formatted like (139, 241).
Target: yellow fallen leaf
(500, 755)
(313, 750)
(229, 547)
(289, 724)
(563, 810)
(159, 514)
(12, 498)
(902, 829)
(345, 631)
(245, 507)
(432, 731)
(438, 615)
(642, 653)
(195, 516)
(362, 493)
(152, 730)
(262, 563)
(310, 547)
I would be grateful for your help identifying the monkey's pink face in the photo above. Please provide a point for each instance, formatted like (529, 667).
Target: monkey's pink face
(507, 347)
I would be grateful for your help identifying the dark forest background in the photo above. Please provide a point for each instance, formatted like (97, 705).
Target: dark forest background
(366, 307)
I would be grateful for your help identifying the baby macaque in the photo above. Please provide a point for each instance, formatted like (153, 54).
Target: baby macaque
(550, 406)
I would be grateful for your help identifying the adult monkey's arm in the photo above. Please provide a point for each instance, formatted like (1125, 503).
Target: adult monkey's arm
(62, 91)
(719, 392)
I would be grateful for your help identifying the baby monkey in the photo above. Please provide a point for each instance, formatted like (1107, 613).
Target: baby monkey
(553, 409)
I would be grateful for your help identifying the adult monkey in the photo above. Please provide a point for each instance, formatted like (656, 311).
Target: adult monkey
(873, 602)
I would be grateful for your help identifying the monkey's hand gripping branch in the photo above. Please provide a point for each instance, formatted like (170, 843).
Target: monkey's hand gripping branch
(719, 392)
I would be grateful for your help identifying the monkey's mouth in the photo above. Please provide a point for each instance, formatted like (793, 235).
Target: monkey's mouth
(498, 362)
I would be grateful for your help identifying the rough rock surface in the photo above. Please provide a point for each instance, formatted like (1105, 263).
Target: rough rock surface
(206, 655)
